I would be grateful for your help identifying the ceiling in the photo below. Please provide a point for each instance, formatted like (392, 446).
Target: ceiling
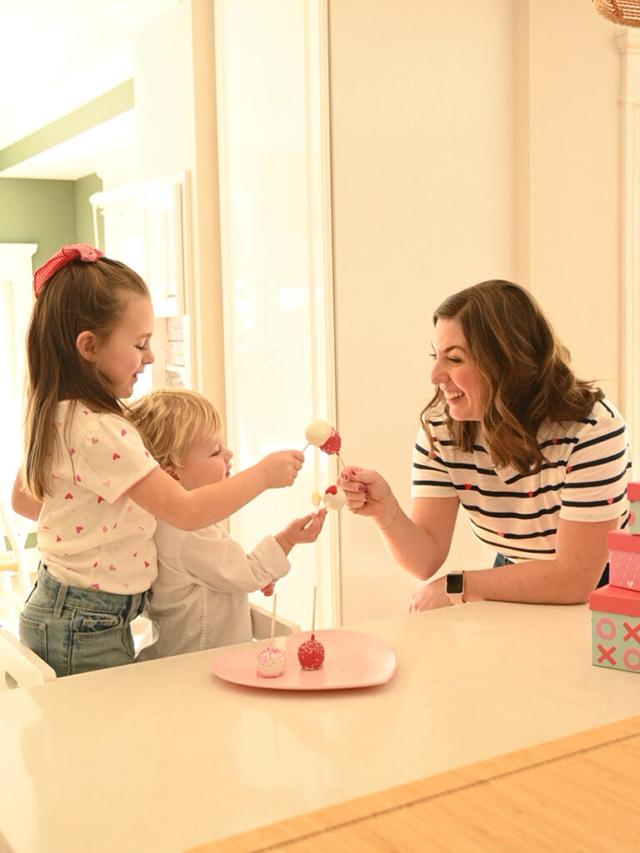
(58, 56)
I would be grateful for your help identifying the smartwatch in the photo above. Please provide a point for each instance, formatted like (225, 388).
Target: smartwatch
(455, 587)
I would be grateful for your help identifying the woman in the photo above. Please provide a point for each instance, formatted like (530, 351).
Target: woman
(537, 458)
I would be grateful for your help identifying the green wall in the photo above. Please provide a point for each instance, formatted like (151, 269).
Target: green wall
(49, 213)
(85, 187)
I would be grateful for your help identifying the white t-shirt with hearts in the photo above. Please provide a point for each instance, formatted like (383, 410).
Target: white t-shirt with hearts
(90, 534)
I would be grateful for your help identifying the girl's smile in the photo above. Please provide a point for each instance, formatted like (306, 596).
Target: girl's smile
(127, 351)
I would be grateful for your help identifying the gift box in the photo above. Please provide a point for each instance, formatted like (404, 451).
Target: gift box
(615, 628)
(624, 560)
(633, 493)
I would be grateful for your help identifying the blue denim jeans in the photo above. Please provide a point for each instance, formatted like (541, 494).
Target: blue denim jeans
(78, 630)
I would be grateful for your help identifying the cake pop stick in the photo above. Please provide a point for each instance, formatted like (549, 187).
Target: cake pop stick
(271, 660)
(273, 616)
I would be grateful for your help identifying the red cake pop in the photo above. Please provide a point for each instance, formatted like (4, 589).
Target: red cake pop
(311, 652)
(325, 437)
(332, 444)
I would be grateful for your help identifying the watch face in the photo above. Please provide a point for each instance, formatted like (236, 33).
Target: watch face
(455, 583)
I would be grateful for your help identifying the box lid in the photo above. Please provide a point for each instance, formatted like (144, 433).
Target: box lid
(633, 491)
(622, 540)
(612, 599)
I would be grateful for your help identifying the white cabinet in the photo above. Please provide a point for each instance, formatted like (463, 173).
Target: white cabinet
(145, 227)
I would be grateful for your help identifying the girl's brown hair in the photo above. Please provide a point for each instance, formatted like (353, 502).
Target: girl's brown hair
(79, 297)
(525, 370)
(171, 421)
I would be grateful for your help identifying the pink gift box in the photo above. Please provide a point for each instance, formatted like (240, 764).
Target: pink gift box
(615, 628)
(633, 491)
(624, 560)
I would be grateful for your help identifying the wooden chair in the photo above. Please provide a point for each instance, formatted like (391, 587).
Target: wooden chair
(19, 666)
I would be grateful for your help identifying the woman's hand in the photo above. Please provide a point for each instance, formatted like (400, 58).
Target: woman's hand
(430, 596)
(368, 493)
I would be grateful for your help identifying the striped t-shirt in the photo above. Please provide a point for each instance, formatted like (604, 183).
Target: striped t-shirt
(584, 478)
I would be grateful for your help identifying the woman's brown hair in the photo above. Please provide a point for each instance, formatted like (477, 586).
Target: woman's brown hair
(525, 370)
(79, 297)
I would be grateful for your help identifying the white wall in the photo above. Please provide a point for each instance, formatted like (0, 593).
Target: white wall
(470, 141)
(573, 188)
(176, 108)
(423, 181)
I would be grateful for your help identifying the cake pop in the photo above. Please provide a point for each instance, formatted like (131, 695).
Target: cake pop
(271, 660)
(311, 652)
(334, 498)
(323, 435)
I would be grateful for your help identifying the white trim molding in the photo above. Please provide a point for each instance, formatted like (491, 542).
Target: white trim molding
(629, 46)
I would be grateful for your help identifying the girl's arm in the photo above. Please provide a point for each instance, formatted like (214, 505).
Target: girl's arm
(22, 502)
(162, 496)
(419, 542)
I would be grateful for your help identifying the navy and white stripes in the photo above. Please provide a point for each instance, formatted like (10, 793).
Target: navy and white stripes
(584, 478)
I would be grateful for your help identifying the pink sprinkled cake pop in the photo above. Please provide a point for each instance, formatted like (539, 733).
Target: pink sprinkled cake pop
(271, 660)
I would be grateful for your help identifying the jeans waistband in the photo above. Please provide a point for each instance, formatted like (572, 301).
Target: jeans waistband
(60, 595)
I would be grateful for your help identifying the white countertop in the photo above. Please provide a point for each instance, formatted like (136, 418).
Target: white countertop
(162, 756)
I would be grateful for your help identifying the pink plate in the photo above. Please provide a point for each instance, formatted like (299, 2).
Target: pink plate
(351, 660)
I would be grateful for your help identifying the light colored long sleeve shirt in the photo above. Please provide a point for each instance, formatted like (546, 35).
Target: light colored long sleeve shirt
(199, 600)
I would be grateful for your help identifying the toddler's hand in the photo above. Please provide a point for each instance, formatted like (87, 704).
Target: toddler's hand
(281, 468)
(302, 530)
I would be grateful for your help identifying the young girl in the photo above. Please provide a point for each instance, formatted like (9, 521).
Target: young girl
(199, 600)
(88, 479)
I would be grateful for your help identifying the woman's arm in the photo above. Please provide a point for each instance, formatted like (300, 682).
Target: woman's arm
(581, 555)
(22, 502)
(419, 542)
(162, 496)
(582, 552)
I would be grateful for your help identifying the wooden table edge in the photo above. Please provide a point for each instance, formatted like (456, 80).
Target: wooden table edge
(313, 824)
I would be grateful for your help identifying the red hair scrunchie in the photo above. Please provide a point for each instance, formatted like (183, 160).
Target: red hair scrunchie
(71, 252)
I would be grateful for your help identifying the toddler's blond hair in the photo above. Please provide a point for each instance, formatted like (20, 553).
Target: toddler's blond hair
(171, 421)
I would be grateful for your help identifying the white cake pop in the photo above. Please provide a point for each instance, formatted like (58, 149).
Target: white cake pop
(334, 498)
(318, 432)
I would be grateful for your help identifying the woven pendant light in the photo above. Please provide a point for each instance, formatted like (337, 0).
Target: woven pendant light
(625, 12)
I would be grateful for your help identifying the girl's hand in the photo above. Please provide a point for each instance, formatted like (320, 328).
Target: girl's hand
(302, 530)
(368, 493)
(281, 468)
(430, 596)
